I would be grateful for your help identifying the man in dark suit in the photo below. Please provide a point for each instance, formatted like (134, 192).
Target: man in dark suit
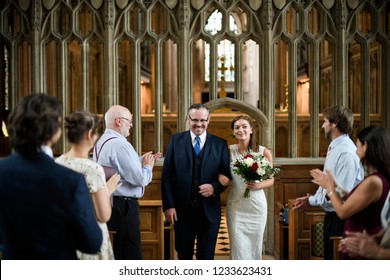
(45, 208)
(190, 187)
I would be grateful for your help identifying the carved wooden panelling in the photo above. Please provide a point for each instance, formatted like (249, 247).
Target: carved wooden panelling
(152, 229)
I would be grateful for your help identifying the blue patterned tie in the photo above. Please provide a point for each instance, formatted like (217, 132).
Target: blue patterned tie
(197, 145)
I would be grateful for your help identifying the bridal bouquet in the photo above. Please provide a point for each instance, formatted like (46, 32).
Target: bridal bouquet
(253, 167)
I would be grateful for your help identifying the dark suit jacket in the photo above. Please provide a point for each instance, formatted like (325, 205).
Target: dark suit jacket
(45, 210)
(177, 174)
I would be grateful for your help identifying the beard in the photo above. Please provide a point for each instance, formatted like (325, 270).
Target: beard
(126, 133)
(328, 134)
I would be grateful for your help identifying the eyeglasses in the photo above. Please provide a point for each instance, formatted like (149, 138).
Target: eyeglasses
(196, 120)
(130, 121)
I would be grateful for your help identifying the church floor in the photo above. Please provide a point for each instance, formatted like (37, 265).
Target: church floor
(222, 249)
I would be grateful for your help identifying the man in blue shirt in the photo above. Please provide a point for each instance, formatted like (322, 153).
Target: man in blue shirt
(113, 150)
(344, 163)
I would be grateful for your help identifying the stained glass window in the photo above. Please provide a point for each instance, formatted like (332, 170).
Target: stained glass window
(225, 49)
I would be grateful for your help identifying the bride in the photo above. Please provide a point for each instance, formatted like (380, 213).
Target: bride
(246, 217)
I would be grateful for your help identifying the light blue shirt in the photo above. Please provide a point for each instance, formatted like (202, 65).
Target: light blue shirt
(385, 215)
(345, 166)
(120, 154)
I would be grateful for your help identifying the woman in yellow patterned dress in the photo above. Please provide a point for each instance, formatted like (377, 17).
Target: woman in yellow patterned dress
(82, 133)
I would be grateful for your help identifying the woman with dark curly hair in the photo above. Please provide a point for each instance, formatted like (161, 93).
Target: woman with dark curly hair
(45, 208)
(363, 205)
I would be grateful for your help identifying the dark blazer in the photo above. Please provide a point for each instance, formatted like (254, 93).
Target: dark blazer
(45, 210)
(177, 173)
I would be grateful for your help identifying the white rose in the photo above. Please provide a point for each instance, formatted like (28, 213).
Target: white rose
(260, 171)
(249, 161)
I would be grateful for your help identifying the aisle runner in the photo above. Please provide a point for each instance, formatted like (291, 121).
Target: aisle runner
(223, 244)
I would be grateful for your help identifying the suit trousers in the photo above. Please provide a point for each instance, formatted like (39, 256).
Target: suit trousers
(191, 225)
(125, 220)
(333, 226)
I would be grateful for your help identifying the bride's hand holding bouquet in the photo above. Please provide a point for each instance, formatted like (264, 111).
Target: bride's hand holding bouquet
(253, 168)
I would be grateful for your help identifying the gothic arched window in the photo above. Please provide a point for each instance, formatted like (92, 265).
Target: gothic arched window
(225, 49)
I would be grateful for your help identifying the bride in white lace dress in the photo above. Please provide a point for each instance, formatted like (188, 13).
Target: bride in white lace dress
(246, 217)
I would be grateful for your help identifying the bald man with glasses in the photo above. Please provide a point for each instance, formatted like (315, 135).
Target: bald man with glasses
(113, 150)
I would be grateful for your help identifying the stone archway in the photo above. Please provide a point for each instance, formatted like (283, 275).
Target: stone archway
(250, 110)
(264, 134)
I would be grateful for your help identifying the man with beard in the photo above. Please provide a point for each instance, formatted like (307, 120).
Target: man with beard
(344, 163)
(190, 187)
(113, 150)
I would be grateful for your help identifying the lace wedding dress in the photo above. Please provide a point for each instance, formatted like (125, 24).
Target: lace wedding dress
(246, 217)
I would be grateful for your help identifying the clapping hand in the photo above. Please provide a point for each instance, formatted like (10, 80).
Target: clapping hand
(359, 244)
(148, 159)
(157, 156)
(112, 183)
(323, 179)
(301, 203)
